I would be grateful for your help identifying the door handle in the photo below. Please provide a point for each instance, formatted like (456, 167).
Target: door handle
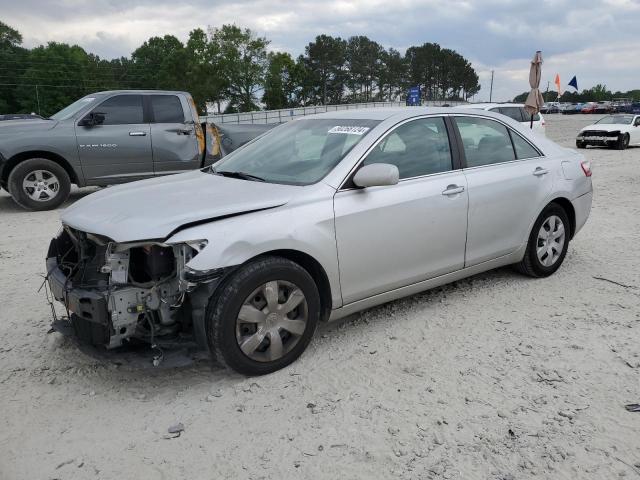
(137, 134)
(453, 190)
(184, 131)
(539, 171)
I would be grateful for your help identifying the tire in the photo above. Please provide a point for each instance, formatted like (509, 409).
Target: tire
(580, 144)
(542, 266)
(248, 289)
(623, 142)
(41, 178)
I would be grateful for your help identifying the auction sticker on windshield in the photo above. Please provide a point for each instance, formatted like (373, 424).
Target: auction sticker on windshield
(350, 130)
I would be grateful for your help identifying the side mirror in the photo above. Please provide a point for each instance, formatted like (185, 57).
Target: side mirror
(376, 175)
(92, 119)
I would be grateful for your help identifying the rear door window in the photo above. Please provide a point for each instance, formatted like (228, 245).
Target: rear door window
(166, 109)
(122, 110)
(512, 112)
(527, 117)
(485, 141)
(523, 148)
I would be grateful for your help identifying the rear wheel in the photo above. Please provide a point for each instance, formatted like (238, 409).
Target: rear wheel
(263, 317)
(548, 243)
(39, 184)
(623, 142)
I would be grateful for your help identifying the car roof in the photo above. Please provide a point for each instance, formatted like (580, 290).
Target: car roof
(397, 113)
(488, 105)
(165, 92)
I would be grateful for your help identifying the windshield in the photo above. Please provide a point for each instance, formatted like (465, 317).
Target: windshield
(297, 153)
(70, 110)
(616, 119)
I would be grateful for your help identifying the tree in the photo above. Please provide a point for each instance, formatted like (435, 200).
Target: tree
(325, 60)
(470, 82)
(11, 63)
(230, 64)
(243, 64)
(9, 37)
(160, 63)
(56, 75)
(596, 93)
(282, 82)
(392, 72)
(203, 77)
(362, 63)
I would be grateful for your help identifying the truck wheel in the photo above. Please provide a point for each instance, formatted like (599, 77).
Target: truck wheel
(263, 317)
(39, 184)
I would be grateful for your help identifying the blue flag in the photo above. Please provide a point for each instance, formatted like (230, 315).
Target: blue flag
(574, 83)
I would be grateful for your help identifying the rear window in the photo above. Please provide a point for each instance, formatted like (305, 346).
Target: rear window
(166, 109)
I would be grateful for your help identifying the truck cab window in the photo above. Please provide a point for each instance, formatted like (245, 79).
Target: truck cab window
(166, 109)
(121, 110)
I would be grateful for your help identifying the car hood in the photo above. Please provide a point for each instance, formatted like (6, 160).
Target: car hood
(613, 127)
(11, 127)
(156, 208)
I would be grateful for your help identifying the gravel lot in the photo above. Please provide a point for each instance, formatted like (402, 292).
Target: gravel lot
(495, 377)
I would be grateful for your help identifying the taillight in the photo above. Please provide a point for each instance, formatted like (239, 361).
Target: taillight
(586, 168)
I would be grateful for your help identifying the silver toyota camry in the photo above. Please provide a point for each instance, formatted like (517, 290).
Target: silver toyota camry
(314, 220)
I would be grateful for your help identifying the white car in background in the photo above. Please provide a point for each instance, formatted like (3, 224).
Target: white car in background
(512, 110)
(617, 131)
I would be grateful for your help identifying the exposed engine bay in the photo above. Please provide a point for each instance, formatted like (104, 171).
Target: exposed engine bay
(116, 294)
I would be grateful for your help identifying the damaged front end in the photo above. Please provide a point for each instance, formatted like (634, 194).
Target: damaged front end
(119, 294)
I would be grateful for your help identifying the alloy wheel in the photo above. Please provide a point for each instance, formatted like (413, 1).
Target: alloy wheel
(41, 185)
(271, 321)
(551, 238)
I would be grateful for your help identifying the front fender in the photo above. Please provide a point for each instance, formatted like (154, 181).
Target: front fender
(307, 228)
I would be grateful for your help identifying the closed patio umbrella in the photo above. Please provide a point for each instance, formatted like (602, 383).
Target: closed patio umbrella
(534, 99)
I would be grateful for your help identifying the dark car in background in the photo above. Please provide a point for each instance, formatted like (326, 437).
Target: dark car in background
(20, 116)
(572, 109)
(550, 107)
(621, 105)
(603, 107)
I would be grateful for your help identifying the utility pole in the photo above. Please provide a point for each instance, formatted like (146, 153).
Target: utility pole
(324, 91)
(491, 89)
(37, 99)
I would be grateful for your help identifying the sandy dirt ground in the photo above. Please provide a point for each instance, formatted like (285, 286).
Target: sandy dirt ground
(495, 377)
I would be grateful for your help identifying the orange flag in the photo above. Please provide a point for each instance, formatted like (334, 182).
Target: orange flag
(557, 82)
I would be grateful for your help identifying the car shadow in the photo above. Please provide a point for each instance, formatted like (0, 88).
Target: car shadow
(177, 373)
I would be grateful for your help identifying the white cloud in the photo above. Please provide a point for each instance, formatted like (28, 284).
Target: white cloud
(595, 39)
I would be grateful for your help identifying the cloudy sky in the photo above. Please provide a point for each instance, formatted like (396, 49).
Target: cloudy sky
(597, 40)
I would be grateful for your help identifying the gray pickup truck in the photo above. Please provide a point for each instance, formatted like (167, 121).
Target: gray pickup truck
(107, 138)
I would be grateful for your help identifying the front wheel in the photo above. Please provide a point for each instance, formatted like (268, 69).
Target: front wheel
(263, 317)
(548, 243)
(39, 184)
(580, 144)
(623, 142)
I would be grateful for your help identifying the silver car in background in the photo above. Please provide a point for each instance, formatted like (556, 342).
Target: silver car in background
(319, 218)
